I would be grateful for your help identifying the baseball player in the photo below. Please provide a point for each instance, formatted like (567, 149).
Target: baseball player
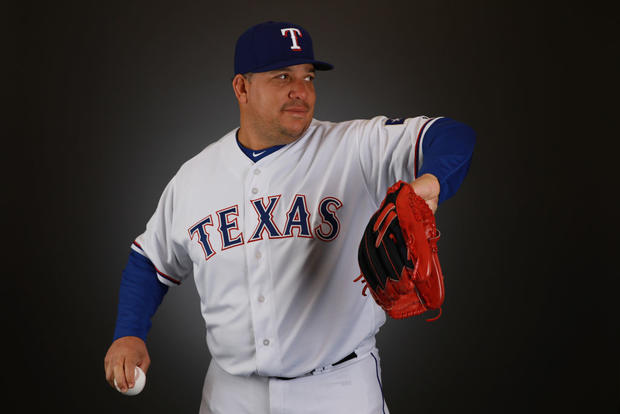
(267, 220)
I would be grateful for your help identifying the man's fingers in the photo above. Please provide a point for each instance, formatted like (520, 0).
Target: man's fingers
(109, 375)
(130, 373)
(427, 186)
(432, 204)
(109, 371)
(119, 377)
(144, 365)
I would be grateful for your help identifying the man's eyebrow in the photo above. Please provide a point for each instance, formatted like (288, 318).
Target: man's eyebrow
(288, 69)
(284, 69)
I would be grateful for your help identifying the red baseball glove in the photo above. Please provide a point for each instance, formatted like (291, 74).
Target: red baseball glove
(398, 255)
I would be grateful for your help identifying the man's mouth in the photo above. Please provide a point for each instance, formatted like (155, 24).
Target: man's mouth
(298, 109)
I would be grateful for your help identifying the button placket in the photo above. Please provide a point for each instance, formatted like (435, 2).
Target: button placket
(259, 281)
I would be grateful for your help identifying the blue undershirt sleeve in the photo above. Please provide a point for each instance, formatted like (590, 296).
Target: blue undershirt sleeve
(447, 150)
(140, 295)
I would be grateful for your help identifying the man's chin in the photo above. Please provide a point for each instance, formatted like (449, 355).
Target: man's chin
(296, 129)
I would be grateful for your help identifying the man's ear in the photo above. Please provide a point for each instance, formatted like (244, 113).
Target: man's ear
(240, 86)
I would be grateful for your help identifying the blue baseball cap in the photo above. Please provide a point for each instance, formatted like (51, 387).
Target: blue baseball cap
(273, 45)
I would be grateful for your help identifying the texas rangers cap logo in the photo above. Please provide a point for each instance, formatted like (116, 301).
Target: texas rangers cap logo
(294, 32)
(273, 45)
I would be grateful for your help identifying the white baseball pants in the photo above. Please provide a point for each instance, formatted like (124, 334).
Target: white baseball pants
(351, 387)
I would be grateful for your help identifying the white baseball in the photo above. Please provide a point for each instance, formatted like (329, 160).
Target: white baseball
(140, 380)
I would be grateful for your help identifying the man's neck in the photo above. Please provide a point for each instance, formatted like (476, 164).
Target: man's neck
(256, 141)
(256, 155)
(256, 138)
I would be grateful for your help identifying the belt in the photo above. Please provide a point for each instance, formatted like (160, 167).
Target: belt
(345, 359)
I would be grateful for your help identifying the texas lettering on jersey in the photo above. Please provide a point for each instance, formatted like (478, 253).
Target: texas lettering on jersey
(296, 223)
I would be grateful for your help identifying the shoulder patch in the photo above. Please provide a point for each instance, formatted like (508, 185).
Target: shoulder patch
(395, 121)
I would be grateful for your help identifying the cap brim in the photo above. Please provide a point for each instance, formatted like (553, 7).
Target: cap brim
(318, 65)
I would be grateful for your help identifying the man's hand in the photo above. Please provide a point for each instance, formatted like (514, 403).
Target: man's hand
(427, 187)
(121, 360)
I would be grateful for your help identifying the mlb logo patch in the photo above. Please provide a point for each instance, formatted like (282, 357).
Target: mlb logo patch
(395, 121)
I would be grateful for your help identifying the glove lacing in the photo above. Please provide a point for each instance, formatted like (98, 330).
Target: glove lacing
(361, 276)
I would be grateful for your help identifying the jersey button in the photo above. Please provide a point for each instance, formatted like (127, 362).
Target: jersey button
(258, 255)
(266, 342)
(261, 298)
(254, 190)
(256, 172)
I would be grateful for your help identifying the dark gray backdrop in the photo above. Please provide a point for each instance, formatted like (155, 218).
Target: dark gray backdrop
(112, 97)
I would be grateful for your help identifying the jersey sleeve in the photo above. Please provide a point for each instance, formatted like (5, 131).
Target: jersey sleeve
(159, 244)
(446, 153)
(390, 151)
(139, 296)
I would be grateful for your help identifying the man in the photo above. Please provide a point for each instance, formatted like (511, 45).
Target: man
(268, 221)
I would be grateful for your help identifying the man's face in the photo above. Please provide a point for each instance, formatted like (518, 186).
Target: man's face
(280, 103)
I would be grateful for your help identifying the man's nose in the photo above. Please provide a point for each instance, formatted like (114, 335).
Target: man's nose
(299, 89)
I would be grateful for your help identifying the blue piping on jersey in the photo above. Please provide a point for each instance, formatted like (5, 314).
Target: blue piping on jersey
(379, 381)
(256, 155)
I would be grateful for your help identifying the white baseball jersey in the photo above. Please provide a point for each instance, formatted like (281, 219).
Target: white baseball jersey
(272, 245)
